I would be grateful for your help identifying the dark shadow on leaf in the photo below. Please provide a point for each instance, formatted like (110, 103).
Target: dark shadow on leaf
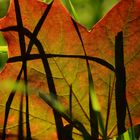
(24, 66)
(120, 85)
(38, 56)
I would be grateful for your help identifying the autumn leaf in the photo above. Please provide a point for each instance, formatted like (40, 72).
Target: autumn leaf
(47, 52)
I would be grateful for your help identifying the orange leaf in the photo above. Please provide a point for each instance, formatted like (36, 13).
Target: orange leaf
(57, 61)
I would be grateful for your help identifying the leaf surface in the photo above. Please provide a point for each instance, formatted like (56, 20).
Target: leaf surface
(58, 44)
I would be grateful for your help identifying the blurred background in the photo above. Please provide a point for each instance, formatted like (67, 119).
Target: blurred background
(4, 4)
(88, 12)
(85, 12)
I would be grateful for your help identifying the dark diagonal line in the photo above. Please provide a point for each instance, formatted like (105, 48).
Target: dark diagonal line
(20, 28)
(38, 27)
(8, 104)
(79, 35)
(51, 85)
(129, 115)
(93, 117)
